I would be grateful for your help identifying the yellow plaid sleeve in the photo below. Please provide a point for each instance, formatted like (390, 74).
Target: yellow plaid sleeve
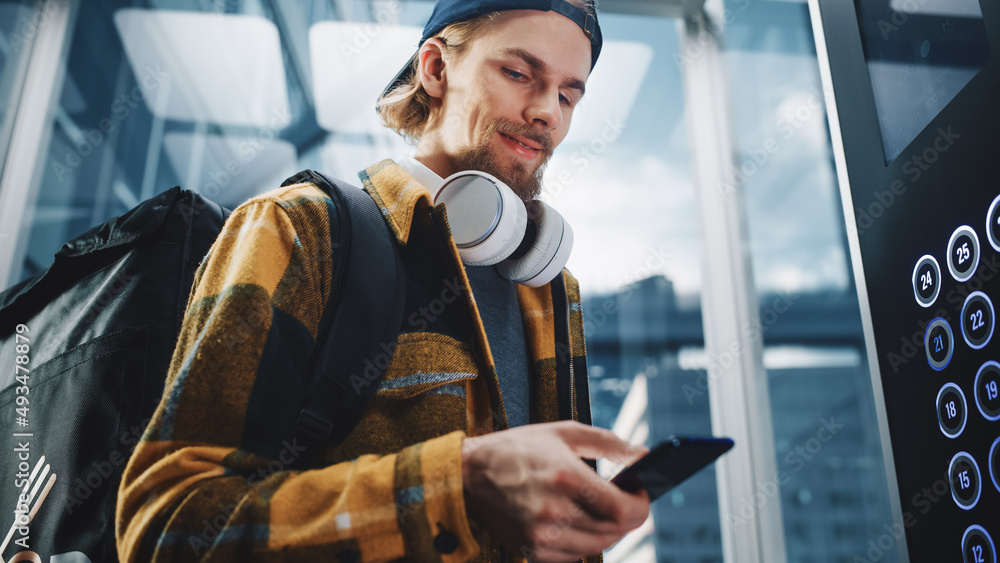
(197, 487)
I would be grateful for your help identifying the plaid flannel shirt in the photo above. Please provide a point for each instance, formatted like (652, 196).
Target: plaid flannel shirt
(197, 486)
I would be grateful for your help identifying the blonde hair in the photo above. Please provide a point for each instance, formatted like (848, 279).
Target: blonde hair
(407, 107)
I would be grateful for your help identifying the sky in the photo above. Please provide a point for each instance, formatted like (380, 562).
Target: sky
(632, 202)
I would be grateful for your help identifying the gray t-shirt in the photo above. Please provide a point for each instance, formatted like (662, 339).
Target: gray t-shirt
(497, 300)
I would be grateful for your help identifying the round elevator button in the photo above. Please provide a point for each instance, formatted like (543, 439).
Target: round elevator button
(995, 463)
(952, 410)
(966, 481)
(926, 280)
(963, 253)
(939, 343)
(977, 320)
(993, 224)
(978, 546)
(988, 390)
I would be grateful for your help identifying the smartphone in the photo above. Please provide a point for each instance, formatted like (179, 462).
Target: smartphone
(670, 463)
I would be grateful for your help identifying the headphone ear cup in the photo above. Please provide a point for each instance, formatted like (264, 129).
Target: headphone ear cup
(507, 246)
(486, 218)
(539, 261)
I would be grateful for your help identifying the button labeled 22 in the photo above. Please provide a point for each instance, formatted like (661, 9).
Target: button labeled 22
(977, 320)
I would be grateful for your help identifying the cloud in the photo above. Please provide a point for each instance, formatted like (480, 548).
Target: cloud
(627, 212)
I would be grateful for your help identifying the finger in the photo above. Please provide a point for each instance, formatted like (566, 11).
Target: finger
(592, 442)
(638, 509)
(571, 516)
(640, 451)
(605, 501)
(586, 522)
(568, 544)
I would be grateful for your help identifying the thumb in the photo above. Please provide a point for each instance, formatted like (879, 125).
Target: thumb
(592, 443)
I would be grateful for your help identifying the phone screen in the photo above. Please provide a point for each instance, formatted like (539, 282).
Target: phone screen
(670, 463)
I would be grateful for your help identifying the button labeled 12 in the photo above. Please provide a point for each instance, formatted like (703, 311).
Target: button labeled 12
(977, 546)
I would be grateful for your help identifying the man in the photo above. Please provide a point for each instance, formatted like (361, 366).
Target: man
(433, 471)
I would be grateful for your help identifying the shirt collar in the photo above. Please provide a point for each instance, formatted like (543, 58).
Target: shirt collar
(397, 194)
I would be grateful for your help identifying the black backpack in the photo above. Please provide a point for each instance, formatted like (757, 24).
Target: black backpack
(85, 346)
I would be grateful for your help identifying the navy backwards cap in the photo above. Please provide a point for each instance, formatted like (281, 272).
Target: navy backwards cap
(447, 12)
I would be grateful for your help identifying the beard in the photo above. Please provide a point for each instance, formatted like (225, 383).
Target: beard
(523, 179)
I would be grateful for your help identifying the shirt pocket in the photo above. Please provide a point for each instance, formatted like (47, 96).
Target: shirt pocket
(421, 396)
(425, 364)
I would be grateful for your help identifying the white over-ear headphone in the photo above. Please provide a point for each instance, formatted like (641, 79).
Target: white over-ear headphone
(491, 225)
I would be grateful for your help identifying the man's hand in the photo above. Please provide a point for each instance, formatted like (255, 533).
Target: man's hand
(530, 489)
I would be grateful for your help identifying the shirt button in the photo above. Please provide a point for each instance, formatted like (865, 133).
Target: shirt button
(446, 542)
(349, 556)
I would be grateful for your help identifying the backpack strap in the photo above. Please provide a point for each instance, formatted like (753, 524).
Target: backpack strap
(359, 327)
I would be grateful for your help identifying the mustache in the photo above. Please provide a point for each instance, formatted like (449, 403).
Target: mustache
(522, 130)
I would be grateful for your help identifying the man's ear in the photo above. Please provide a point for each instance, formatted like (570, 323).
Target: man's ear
(432, 67)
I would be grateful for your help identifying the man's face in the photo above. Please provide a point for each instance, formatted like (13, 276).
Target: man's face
(510, 96)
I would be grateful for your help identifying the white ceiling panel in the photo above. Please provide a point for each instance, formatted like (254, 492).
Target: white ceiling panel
(351, 64)
(230, 169)
(199, 67)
